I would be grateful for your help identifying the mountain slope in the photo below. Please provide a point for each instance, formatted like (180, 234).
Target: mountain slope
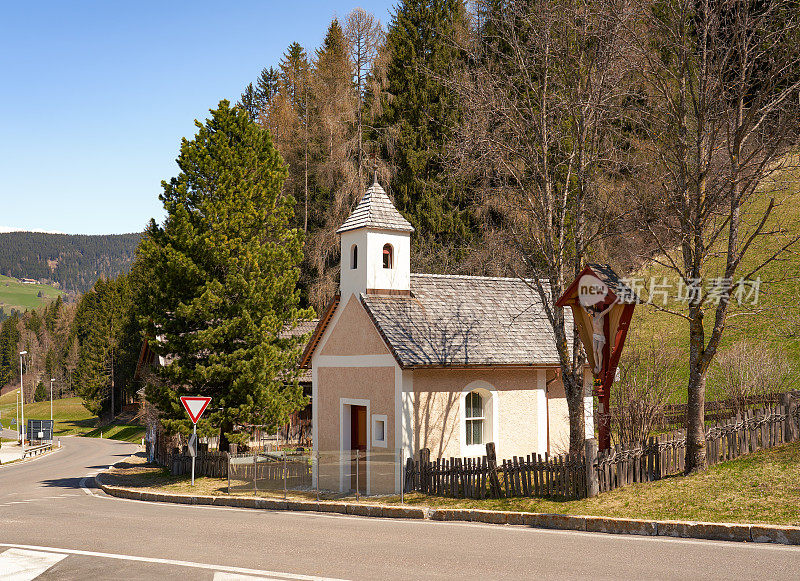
(74, 262)
(773, 323)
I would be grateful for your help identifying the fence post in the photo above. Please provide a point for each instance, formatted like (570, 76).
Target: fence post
(285, 474)
(790, 427)
(491, 459)
(255, 474)
(592, 482)
(228, 456)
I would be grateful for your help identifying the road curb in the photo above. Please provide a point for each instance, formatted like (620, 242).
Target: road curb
(737, 532)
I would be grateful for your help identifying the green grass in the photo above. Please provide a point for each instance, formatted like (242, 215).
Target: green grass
(125, 432)
(763, 487)
(15, 295)
(773, 323)
(71, 418)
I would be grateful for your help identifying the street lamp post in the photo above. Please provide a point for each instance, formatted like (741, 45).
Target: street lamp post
(22, 397)
(51, 401)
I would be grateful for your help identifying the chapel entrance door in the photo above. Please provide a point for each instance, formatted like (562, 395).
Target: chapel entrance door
(358, 441)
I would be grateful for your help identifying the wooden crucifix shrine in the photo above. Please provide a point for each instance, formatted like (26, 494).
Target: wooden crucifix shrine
(602, 308)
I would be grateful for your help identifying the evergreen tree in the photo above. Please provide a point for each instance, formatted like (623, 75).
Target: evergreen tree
(9, 358)
(267, 85)
(103, 314)
(250, 101)
(417, 115)
(219, 279)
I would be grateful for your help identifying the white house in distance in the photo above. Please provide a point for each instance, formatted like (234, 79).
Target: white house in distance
(403, 361)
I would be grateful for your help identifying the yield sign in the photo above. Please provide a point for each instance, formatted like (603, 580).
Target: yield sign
(195, 406)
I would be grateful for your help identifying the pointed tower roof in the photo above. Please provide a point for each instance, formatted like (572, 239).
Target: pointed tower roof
(375, 210)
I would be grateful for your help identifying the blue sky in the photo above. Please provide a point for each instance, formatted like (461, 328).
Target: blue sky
(97, 95)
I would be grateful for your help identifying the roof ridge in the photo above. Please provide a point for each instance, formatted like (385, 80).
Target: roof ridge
(475, 277)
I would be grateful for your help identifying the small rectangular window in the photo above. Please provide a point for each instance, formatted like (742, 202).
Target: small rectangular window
(379, 431)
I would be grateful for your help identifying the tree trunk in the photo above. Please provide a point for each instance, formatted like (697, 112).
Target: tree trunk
(696, 391)
(573, 388)
(224, 443)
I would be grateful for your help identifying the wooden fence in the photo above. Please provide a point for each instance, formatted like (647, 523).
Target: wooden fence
(568, 477)
(666, 454)
(212, 463)
(531, 475)
(673, 416)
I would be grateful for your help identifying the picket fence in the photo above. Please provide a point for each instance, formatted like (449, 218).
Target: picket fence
(532, 475)
(569, 477)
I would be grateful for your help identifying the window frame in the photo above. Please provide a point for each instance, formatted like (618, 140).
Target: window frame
(376, 443)
(388, 250)
(490, 430)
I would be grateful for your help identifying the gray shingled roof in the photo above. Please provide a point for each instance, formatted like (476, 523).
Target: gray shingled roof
(375, 210)
(466, 320)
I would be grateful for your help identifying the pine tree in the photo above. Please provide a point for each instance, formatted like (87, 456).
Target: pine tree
(9, 359)
(219, 279)
(267, 85)
(249, 101)
(364, 36)
(417, 115)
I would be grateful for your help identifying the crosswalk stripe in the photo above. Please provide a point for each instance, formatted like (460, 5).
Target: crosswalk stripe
(24, 565)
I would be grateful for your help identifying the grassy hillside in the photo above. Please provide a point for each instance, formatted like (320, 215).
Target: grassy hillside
(71, 418)
(19, 296)
(773, 324)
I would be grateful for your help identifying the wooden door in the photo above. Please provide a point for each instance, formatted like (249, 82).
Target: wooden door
(358, 441)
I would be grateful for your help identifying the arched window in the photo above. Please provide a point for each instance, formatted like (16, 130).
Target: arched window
(474, 416)
(388, 259)
(354, 257)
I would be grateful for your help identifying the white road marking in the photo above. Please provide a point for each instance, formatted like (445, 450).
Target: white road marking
(218, 568)
(82, 484)
(219, 576)
(24, 565)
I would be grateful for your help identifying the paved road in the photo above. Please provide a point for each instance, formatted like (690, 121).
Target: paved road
(59, 530)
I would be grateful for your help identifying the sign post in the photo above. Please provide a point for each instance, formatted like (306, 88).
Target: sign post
(602, 308)
(195, 406)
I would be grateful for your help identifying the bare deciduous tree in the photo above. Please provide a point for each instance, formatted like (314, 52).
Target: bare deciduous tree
(722, 79)
(648, 374)
(365, 35)
(748, 371)
(542, 100)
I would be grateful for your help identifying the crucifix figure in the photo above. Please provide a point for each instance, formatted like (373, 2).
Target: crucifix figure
(598, 315)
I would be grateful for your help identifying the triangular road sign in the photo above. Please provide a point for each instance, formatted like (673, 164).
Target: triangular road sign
(195, 406)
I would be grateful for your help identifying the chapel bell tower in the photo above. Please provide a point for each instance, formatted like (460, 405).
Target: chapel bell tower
(375, 247)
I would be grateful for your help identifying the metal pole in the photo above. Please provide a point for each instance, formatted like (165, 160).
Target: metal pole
(402, 475)
(358, 461)
(17, 418)
(194, 433)
(22, 398)
(285, 475)
(51, 400)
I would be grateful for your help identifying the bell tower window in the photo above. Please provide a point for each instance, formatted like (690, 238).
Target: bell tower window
(388, 258)
(354, 257)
